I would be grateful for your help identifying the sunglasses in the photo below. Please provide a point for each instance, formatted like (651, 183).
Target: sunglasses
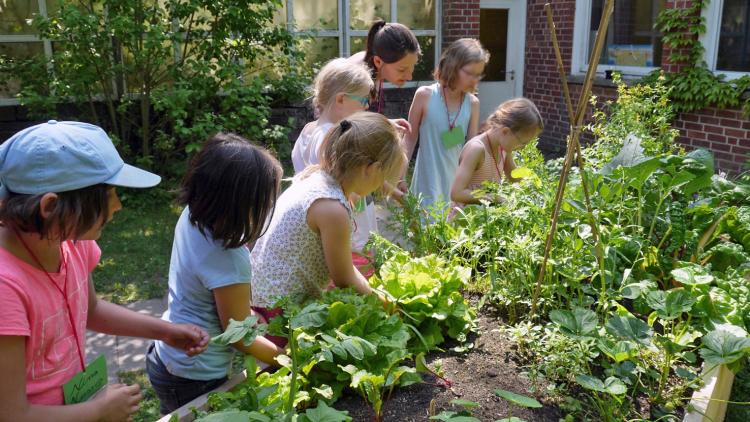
(365, 101)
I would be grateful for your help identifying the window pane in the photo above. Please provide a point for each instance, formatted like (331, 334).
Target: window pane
(734, 39)
(319, 50)
(426, 65)
(632, 39)
(493, 34)
(417, 14)
(14, 15)
(357, 44)
(316, 14)
(362, 13)
(19, 50)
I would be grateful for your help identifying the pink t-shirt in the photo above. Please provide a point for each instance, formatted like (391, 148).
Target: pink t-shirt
(32, 307)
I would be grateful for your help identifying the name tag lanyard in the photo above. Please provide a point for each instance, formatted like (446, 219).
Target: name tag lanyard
(63, 267)
(452, 124)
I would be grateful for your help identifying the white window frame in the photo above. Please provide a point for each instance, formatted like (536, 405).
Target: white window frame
(581, 41)
(27, 38)
(710, 39)
(344, 32)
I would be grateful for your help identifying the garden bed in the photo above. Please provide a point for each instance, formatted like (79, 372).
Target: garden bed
(475, 376)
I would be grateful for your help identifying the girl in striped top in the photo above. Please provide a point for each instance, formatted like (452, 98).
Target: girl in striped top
(487, 156)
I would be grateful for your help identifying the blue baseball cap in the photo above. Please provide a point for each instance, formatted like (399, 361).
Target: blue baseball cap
(64, 156)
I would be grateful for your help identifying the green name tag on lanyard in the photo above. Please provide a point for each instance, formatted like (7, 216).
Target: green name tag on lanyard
(454, 137)
(87, 383)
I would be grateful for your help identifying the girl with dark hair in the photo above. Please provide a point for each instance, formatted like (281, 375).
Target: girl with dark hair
(229, 192)
(392, 52)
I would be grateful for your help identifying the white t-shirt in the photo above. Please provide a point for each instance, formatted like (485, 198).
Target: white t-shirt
(305, 153)
(307, 146)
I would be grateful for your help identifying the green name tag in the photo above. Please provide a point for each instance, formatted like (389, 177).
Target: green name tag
(454, 137)
(87, 383)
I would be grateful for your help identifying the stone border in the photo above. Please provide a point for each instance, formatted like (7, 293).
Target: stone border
(709, 404)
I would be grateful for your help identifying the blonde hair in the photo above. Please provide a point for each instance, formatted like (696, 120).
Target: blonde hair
(459, 54)
(337, 76)
(362, 139)
(516, 114)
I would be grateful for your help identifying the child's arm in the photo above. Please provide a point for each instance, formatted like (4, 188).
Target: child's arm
(115, 403)
(233, 302)
(108, 318)
(330, 219)
(471, 159)
(474, 120)
(416, 114)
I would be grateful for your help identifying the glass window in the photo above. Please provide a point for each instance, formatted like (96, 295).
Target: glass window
(362, 13)
(319, 50)
(17, 50)
(632, 39)
(493, 34)
(316, 14)
(15, 16)
(734, 37)
(417, 14)
(426, 65)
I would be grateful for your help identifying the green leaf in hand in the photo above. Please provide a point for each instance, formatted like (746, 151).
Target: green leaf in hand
(246, 330)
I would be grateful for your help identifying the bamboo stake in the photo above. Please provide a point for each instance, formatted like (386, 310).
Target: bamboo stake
(575, 133)
(581, 164)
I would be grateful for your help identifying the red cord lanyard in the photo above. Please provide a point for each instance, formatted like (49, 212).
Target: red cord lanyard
(63, 267)
(381, 97)
(489, 147)
(451, 125)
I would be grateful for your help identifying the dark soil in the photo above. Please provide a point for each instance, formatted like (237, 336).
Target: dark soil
(475, 376)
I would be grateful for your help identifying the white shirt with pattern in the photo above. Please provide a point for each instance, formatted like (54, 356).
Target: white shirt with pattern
(288, 259)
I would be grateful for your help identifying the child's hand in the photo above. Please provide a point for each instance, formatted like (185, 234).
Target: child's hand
(193, 340)
(401, 185)
(402, 125)
(118, 402)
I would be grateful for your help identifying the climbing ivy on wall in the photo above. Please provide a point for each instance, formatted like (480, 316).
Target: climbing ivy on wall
(695, 86)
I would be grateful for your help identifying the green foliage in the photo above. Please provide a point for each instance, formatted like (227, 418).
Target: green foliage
(246, 331)
(163, 76)
(427, 291)
(695, 87)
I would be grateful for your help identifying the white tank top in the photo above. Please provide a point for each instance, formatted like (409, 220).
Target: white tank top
(288, 260)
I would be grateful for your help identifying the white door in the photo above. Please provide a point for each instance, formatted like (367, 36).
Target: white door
(502, 31)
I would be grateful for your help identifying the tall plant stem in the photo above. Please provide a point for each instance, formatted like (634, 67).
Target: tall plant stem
(573, 145)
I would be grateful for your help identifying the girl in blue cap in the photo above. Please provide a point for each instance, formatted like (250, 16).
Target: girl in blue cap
(57, 193)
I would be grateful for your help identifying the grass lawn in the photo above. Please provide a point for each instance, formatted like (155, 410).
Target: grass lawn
(136, 247)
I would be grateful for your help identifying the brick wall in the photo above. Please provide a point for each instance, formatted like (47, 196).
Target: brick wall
(725, 132)
(460, 20)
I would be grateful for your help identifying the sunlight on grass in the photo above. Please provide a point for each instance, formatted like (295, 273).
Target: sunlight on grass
(136, 247)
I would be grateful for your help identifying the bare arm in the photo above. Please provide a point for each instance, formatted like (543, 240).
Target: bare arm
(474, 120)
(416, 113)
(471, 160)
(115, 403)
(330, 219)
(233, 302)
(108, 318)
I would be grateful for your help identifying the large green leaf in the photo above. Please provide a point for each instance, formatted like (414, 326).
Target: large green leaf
(246, 330)
(691, 275)
(579, 323)
(618, 351)
(611, 385)
(313, 315)
(629, 328)
(323, 413)
(518, 399)
(671, 304)
(722, 347)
